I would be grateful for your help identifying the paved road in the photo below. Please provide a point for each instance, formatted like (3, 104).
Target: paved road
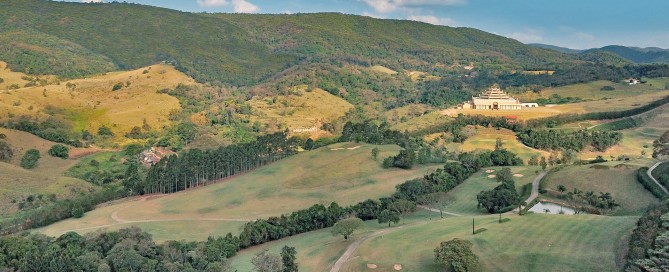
(650, 174)
(535, 187)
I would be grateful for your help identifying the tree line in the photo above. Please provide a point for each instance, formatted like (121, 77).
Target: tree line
(196, 167)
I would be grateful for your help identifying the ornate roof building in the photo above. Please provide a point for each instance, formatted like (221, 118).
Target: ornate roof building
(495, 99)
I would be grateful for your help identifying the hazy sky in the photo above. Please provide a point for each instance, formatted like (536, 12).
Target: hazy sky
(572, 23)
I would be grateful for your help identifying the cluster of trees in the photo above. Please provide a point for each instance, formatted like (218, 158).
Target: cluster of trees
(370, 132)
(56, 210)
(661, 145)
(578, 140)
(50, 129)
(641, 253)
(200, 167)
(602, 201)
(123, 250)
(501, 198)
(557, 99)
(650, 185)
(264, 261)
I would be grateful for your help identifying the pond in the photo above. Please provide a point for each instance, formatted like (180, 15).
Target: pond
(552, 208)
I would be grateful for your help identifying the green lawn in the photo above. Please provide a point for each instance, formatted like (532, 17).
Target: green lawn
(617, 178)
(462, 199)
(319, 250)
(534, 242)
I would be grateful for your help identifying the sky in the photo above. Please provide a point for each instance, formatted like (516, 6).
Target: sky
(577, 24)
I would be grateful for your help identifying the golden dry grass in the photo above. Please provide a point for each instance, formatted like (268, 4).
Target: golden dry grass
(10, 77)
(16, 183)
(93, 103)
(382, 69)
(302, 110)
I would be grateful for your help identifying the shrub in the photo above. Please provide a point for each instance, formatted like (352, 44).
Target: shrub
(30, 158)
(117, 86)
(60, 151)
(105, 131)
(6, 152)
(77, 211)
(607, 88)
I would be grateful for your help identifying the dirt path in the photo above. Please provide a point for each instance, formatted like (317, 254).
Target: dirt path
(354, 246)
(650, 174)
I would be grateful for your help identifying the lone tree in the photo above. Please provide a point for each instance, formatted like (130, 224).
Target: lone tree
(60, 151)
(347, 226)
(388, 216)
(375, 153)
(456, 255)
(403, 207)
(30, 158)
(288, 257)
(266, 262)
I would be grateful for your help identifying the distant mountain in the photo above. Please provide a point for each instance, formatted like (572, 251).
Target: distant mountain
(632, 54)
(72, 39)
(556, 48)
(636, 54)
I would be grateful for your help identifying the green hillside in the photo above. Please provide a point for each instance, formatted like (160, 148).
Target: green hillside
(238, 49)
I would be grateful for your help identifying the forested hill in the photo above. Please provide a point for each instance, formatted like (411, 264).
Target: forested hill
(637, 55)
(76, 39)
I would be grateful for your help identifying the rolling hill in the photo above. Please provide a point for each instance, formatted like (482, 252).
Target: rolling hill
(237, 49)
(628, 53)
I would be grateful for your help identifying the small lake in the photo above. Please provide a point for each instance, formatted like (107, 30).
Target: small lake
(552, 208)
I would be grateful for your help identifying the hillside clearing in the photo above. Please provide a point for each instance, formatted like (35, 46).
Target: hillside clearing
(319, 176)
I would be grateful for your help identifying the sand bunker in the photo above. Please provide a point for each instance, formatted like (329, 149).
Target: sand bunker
(397, 267)
(352, 148)
(492, 176)
(334, 149)
(371, 266)
(518, 175)
(490, 171)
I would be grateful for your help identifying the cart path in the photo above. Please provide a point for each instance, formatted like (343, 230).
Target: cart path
(650, 174)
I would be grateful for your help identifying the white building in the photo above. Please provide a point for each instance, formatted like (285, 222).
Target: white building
(496, 99)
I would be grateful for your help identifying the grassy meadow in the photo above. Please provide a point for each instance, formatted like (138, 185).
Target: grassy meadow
(91, 103)
(302, 109)
(46, 178)
(485, 139)
(343, 172)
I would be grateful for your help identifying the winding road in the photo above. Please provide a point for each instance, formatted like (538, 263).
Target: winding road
(650, 174)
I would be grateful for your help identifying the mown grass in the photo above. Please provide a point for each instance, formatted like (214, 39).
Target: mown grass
(534, 242)
(319, 250)
(462, 199)
(346, 176)
(617, 178)
(485, 138)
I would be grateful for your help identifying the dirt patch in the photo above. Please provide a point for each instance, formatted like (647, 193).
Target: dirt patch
(372, 266)
(622, 165)
(490, 171)
(397, 267)
(492, 176)
(599, 166)
(76, 153)
(518, 175)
